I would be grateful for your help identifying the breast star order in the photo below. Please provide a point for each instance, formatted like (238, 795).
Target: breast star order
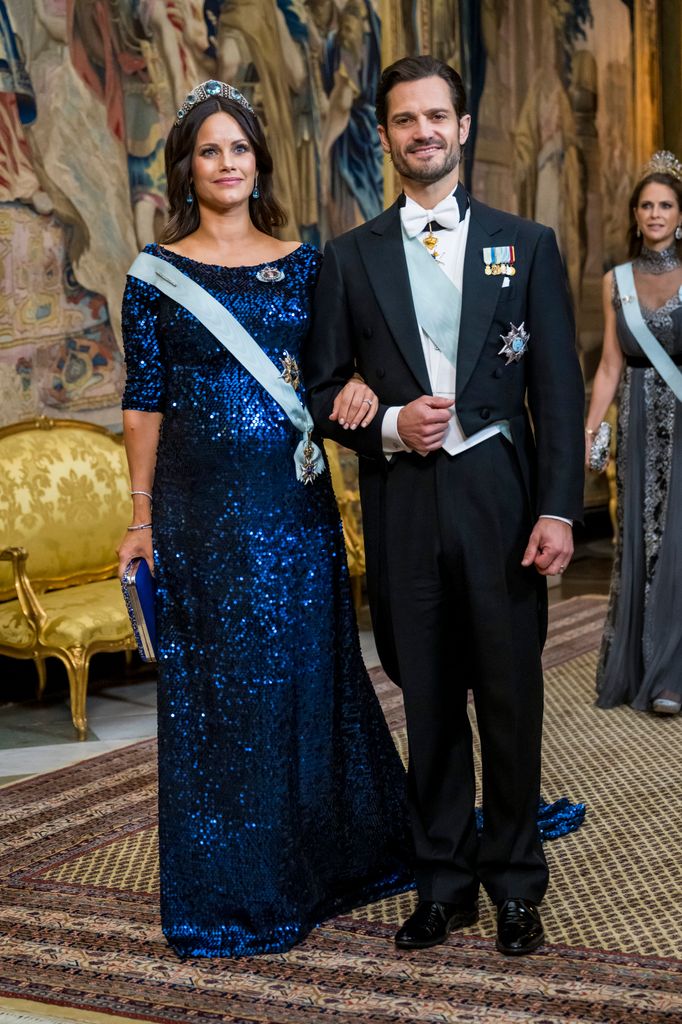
(515, 343)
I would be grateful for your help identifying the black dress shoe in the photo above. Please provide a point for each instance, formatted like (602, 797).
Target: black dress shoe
(432, 922)
(519, 928)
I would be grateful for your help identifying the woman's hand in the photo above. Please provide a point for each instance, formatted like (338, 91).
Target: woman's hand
(355, 405)
(135, 544)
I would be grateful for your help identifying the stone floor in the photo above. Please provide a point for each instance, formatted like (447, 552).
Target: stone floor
(37, 736)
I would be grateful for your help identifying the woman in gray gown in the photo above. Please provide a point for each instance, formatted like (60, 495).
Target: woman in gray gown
(640, 662)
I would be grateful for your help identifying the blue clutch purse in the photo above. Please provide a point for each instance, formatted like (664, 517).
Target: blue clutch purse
(139, 593)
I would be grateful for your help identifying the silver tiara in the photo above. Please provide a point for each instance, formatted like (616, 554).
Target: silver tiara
(662, 162)
(205, 91)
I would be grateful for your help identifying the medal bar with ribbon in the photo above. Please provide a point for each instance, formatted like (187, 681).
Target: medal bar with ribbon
(499, 259)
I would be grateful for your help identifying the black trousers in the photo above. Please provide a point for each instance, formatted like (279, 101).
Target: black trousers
(466, 615)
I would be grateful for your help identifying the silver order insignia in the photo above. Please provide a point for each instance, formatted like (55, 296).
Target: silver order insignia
(291, 374)
(270, 275)
(308, 471)
(515, 343)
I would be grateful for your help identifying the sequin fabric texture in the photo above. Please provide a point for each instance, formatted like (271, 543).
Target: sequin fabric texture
(641, 650)
(555, 820)
(281, 794)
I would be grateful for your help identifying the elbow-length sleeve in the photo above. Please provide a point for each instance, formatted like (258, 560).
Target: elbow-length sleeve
(145, 372)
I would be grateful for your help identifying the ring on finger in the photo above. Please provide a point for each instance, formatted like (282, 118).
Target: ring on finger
(369, 401)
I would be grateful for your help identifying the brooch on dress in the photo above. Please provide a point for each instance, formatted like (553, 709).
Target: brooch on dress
(269, 275)
(292, 374)
(515, 343)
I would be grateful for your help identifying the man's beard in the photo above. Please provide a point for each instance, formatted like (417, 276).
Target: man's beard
(427, 175)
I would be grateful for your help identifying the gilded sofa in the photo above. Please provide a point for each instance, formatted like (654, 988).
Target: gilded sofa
(64, 505)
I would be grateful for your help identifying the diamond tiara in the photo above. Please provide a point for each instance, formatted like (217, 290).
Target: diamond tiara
(205, 91)
(662, 162)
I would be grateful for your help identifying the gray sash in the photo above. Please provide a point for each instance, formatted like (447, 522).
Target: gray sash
(649, 344)
(230, 333)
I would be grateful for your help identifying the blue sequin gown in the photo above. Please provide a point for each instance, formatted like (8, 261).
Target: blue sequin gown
(281, 795)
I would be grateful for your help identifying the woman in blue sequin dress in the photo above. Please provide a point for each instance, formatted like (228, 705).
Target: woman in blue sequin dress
(281, 795)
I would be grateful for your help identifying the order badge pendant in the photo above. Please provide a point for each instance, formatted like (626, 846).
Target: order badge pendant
(431, 242)
(515, 343)
(270, 275)
(308, 470)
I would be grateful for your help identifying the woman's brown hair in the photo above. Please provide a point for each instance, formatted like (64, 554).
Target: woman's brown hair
(660, 177)
(266, 213)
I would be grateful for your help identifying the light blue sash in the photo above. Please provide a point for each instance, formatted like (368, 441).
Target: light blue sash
(648, 343)
(438, 307)
(437, 301)
(230, 333)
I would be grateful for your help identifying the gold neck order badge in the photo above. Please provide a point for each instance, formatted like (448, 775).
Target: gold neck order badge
(431, 242)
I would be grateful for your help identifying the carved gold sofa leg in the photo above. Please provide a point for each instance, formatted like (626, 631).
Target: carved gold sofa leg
(42, 674)
(77, 661)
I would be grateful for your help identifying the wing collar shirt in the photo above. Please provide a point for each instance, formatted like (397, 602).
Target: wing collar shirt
(449, 222)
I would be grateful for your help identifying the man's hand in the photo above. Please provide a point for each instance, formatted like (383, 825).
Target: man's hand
(422, 424)
(550, 547)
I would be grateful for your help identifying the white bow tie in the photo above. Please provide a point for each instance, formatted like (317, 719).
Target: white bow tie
(415, 218)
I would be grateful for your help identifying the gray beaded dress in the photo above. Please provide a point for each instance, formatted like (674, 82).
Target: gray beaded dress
(641, 653)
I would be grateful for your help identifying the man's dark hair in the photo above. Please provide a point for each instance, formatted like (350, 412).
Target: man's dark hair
(411, 69)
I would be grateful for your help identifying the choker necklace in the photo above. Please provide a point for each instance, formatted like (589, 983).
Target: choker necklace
(650, 261)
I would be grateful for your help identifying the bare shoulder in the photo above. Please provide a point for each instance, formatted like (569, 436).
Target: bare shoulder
(174, 247)
(608, 283)
(267, 248)
(609, 294)
(286, 248)
(185, 246)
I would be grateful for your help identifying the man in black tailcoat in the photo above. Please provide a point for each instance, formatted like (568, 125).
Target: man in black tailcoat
(458, 318)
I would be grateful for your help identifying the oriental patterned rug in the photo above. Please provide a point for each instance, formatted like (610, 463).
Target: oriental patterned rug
(79, 927)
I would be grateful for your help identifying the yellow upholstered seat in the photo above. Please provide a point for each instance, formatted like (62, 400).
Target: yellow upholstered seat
(83, 614)
(64, 505)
